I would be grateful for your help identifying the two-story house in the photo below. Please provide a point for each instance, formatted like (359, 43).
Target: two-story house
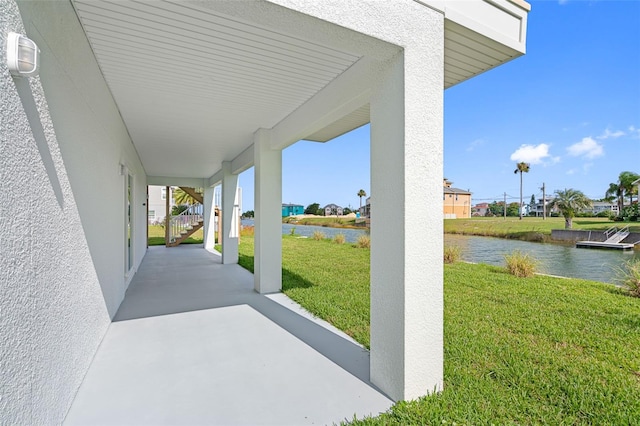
(456, 202)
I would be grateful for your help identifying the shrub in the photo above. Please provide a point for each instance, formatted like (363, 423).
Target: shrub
(318, 235)
(452, 254)
(247, 231)
(520, 264)
(628, 276)
(339, 239)
(363, 242)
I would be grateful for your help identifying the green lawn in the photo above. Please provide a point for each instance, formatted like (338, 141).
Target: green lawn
(539, 350)
(156, 236)
(529, 228)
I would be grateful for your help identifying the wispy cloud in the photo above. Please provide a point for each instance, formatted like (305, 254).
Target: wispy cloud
(563, 2)
(570, 171)
(475, 144)
(608, 134)
(533, 154)
(634, 132)
(587, 148)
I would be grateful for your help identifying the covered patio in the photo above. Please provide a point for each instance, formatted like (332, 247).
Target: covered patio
(193, 343)
(191, 93)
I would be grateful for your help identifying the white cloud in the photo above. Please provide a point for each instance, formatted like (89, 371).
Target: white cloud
(571, 171)
(475, 144)
(587, 148)
(634, 132)
(532, 154)
(609, 134)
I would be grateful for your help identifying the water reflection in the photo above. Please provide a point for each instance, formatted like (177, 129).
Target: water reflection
(555, 259)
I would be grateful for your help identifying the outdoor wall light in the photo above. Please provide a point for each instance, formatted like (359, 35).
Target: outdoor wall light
(23, 55)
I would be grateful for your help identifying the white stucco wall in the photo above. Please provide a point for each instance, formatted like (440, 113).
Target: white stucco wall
(61, 215)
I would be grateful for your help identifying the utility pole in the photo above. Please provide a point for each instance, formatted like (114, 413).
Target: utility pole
(544, 202)
(505, 206)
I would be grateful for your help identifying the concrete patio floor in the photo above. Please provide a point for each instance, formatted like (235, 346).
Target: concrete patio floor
(193, 344)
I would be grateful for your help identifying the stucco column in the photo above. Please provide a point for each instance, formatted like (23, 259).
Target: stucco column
(268, 214)
(209, 219)
(229, 215)
(406, 220)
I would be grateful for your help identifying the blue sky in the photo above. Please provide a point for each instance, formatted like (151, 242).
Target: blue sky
(570, 107)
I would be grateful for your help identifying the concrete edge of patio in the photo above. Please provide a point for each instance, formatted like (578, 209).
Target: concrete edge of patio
(193, 343)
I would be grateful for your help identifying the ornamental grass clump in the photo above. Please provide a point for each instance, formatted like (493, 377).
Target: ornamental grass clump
(318, 235)
(339, 239)
(452, 254)
(363, 242)
(521, 265)
(628, 276)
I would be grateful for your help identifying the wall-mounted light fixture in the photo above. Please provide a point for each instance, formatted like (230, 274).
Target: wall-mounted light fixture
(23, 55)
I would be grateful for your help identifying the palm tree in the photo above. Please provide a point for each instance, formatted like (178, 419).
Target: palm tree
(521, 168)
(569, 202)
(361, 194)
(624, 187)
(626, 180)
(181, 197)
(616, 192)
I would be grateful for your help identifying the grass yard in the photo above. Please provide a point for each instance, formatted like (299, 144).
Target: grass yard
(526, 351)
(529, 228)
(156, 236)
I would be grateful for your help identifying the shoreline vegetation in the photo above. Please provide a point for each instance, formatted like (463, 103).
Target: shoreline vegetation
(537, 350)
(348, 221)
(533, 229)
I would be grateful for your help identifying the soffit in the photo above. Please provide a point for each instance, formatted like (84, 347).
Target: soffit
(193, 85)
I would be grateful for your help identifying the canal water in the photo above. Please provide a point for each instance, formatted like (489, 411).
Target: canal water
(555, 259)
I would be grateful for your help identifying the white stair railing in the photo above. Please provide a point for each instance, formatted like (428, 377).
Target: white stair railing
(618, 236)
(181, 224)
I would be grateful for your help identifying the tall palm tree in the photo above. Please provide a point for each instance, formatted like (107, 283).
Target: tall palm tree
(626, 180)
(569, 202)
(521, 168)
(616, 191)
(361, 194)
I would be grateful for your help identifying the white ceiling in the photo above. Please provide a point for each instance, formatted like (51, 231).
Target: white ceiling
(193, 85)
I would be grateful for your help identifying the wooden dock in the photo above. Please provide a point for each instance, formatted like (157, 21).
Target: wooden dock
(604, 245)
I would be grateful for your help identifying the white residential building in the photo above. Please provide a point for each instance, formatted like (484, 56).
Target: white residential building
(157, 199)
(192, 93)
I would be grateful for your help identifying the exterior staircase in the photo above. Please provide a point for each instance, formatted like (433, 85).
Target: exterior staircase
(189, 221)
(615, 235)
(185, 224)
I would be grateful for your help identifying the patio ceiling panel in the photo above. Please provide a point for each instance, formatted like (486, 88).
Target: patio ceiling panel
(192, 85)
(194, 80)
(468, 53)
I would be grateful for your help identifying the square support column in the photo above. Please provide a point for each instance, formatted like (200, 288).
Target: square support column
(406, 220)
(268, 214)
(209, 219)
(229, 215)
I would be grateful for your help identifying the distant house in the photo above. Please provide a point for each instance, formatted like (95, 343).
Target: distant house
(603, 206)
(480, 209)
(365, 211)
(542, 206)
(292, 210)
(456, 202)
(157, 201)
(332, 210)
